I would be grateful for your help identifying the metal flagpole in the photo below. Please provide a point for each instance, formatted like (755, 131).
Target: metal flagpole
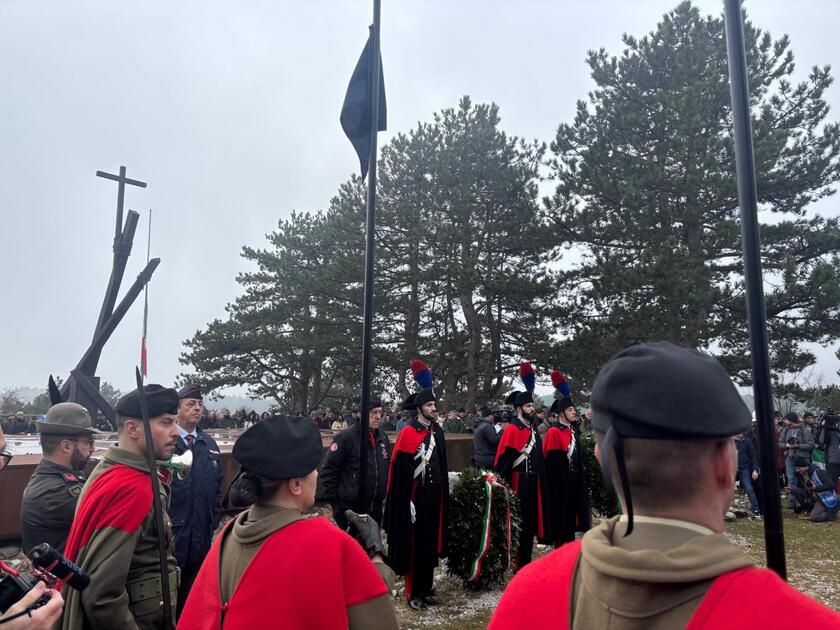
(144, 357)
(748, 200)
(367, 332)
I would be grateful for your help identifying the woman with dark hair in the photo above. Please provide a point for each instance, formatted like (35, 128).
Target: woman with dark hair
(262, 568)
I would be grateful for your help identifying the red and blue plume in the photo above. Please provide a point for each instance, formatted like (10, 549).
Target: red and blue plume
(561, 384)
(529, 378)
(422, 373)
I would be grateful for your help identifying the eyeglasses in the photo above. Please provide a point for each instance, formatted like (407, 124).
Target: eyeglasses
(5, 458)
(91, 442)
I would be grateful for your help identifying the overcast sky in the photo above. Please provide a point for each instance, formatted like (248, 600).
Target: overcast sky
(229, 110)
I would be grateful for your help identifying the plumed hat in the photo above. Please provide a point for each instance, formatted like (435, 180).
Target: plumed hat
(529, 380)
(562, 393)
(422, 374)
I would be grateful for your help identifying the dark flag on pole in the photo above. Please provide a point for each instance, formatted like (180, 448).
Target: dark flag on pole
(356, 111)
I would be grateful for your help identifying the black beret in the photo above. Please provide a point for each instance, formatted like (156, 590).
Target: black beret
(159, 400)
(424, 396)
(190, 391)
(410, 402)
(374, 402)
(662, 391)
(801, 462)
(511, 398)
(561, 404)
(523, 398)
(281, 447)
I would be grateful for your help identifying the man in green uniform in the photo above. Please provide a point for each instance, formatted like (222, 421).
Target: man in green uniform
(49, 500)
(113, 537)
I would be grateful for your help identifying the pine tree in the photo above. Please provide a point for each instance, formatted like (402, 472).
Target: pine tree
(647, 191)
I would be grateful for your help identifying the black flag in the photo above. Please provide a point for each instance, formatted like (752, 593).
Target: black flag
(356, 111)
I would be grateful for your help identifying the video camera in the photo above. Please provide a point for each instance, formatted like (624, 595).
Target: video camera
(45, 564)
(502, 415)
(830, 419)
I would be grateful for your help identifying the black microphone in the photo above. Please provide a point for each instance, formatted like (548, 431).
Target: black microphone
(48, 560)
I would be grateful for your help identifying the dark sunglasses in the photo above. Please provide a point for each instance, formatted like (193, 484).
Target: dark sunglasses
(5, 458)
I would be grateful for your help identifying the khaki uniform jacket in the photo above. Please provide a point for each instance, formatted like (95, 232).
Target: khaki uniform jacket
(124, 567)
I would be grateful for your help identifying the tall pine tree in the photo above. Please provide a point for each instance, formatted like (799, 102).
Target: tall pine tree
(646, 191)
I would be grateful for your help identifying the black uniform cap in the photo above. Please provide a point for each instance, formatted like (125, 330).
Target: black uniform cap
(659, 391)
(281, 447)
(410, 402)
(159, 400)
(561, 404)
(424, 396)
(523, 398)
(190, 391)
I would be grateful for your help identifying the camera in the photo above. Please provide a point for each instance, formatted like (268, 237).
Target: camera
(44, 564)
(830, 420)
(502, 416)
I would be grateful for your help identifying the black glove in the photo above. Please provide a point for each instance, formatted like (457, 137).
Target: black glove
(366, 531)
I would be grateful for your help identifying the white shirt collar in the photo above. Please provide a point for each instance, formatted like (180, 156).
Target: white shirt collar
(184, 433)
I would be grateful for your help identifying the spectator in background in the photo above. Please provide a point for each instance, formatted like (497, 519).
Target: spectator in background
(485, 439)
(265, 416)
(829, 438)
(454, 424)
(19, 425)
(388, 422)
(748, 468)
(404, 421)
(810, 424)
(226, 422)
(814, 492)
(251, 419)
(338, 424)
(796, 441)
(544, 420)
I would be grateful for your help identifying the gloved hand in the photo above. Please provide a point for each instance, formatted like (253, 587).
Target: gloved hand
(366, 531)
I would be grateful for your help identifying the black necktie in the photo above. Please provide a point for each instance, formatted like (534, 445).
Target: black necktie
(190, 439)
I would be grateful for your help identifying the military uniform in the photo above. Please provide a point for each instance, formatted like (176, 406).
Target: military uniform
(115, 540)
(49, 500)
(261, 570)
(661, 573)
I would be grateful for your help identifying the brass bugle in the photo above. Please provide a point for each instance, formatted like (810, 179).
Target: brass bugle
(180, 464)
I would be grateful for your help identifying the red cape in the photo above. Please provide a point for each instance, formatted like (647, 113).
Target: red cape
(304, 576)
(524, 605)
(120, 498)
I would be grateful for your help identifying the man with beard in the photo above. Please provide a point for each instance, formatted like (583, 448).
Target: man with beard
(567, 501)
(340, 470)
(519, 460)
(196, 505)
(418, 495)
(49, 500)
(113, 537)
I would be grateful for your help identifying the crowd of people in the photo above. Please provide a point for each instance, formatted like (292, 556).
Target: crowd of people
(646, 424)
(808, 466)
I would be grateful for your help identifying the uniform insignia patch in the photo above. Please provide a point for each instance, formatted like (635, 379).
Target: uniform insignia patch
(70, 477)
(334, 447)
(76, 490)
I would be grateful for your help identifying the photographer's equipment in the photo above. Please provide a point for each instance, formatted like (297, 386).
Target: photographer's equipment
(45, 564)
(49, 561)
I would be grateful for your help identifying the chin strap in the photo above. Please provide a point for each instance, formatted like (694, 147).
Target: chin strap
(613, 446)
